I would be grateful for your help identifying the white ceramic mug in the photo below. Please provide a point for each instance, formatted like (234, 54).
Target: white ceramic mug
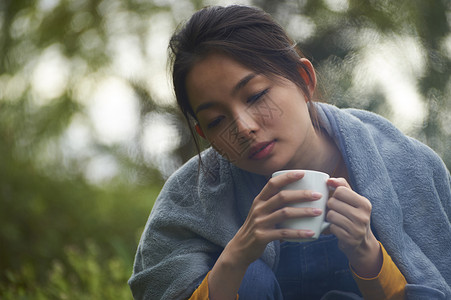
(316, 182)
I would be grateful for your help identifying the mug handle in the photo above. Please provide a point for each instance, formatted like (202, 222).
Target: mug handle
(326, 224)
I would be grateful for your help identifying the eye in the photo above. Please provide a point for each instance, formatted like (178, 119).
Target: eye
(256, 97)
(215, 122)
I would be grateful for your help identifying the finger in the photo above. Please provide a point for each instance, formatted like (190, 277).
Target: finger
(345, 239)
(343, 203)
(336, 182)
(348, 196)
(341, 233)
(340, 221)
(357, 209)
(344, 229)
(287, 213)
(287, 234)
(289, 198)
(276, 183)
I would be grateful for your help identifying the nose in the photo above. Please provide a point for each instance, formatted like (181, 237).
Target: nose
(245, 125)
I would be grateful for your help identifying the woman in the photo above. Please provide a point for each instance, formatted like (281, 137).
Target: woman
(244, 87)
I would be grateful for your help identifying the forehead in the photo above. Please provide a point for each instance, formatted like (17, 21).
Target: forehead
(215, 71)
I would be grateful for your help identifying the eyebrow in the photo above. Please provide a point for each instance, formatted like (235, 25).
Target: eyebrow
(243, 82)
(237, 87)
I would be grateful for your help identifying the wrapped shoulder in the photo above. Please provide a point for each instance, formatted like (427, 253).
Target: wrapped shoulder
(190, 181)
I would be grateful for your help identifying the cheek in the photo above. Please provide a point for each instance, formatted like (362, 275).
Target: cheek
(228, 146)
(266, 112)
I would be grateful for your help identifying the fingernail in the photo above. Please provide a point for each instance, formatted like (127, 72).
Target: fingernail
(316, 195)
(310, 232)
(317, 211)
(297, 174)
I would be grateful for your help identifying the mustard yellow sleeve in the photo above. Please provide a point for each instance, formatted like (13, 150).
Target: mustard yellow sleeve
(389, 284)
(201, 293)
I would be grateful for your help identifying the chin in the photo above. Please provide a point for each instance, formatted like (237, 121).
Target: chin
(265, 169)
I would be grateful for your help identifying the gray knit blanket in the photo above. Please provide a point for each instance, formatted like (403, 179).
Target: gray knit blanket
(196, 214)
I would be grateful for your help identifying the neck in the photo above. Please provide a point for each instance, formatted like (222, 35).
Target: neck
(323, 155)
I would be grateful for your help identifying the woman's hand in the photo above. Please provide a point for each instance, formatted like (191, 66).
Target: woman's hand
(268, 209)
(349, 215)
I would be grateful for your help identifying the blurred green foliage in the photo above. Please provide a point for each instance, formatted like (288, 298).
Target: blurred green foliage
(61, 235)
(346, 32)
(55, 231)
(65, 236)
(84, 274)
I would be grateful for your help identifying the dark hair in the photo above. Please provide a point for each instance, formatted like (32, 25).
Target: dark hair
(246, 34)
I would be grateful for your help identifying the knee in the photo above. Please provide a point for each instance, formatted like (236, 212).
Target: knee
(259, 282)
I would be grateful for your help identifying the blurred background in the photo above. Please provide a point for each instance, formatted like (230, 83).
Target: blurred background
(89, 130)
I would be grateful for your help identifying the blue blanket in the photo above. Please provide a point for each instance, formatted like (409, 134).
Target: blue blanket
(196, 215)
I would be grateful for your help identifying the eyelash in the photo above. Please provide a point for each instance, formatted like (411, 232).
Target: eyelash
(214, 122)
(250, 100)
(257, 96)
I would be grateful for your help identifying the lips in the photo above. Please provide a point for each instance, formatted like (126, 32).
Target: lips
(261, 150)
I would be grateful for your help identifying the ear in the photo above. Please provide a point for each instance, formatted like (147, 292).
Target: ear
(199, 130)
(310, 77)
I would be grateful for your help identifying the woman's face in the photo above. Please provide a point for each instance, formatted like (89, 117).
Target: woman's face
(258, 123)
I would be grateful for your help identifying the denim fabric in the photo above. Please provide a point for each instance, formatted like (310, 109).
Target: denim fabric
(310, 270)
(260, 283)
(313, 270)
